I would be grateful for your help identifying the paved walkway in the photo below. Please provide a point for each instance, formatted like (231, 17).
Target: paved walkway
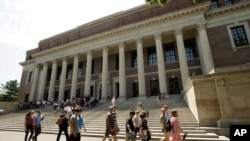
(19, 136)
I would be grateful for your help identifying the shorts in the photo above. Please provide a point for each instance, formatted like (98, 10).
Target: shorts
(107, 132)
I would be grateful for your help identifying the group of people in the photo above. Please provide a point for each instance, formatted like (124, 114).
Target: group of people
(170, 125)
(33, 123)
(136, 125)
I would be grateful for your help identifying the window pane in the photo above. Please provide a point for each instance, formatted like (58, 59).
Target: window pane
(152, 57)
(214, 4)
(239, 36)
(134, 59)
(170, 55)
(228, 2)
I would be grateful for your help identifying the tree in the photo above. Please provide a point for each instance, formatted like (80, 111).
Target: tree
(11, 89)
(162, 2)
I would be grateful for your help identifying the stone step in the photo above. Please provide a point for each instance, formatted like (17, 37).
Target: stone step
(94, 119)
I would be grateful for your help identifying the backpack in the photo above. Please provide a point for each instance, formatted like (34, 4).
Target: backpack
(168, 126)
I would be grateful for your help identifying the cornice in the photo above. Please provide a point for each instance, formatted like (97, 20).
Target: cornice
(228, 9)
(27, 62)
(201, 8)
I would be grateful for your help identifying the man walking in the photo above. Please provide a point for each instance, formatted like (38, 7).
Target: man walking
(63, 127)
(110, 126)
(37, 122)
(74, 126)
(130, 128)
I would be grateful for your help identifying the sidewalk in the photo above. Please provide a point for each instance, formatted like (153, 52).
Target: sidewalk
(19, 136)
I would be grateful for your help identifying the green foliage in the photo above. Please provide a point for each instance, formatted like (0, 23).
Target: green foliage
(11, 88)
(163, 2)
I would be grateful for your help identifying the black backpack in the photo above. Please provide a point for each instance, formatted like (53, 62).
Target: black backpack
(168, 126)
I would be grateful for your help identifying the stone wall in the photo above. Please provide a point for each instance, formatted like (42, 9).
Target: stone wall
(220, 99)
(8, 107)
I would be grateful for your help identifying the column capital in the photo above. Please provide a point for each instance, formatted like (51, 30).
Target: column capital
(139, 40)
(157, 36)
(201, 26)
(121, 44)
(178, 31)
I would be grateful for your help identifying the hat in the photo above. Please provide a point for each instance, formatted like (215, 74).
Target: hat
(111, 107)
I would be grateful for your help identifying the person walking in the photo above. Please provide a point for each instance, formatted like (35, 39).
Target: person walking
(63, 127)
(37, 121)
(130, 128)
(81, 122)
(165, 119)
(144, 130)
(137, 122)
(110, 126)
(175, 132)
(29, 125)
(74, 126)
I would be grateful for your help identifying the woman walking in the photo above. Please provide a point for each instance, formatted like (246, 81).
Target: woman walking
(29, 125)
(175, 132)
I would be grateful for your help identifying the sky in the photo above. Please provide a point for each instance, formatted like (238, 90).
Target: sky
(23, 23)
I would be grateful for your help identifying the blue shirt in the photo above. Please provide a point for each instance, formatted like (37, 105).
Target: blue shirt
(38, 119)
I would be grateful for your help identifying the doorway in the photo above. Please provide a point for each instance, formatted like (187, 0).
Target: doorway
(154, 85)
(174, 86)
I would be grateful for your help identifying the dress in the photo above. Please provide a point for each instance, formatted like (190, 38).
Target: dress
(175, 132)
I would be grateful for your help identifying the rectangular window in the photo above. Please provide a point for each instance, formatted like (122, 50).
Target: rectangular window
(134, 59)
(59, 71)
(152, 56)
(93, 67)
(117, 61)
(79, 74)
(69, 72)
(214, 4)
(190, 49)
(228, 2)
(170, 55)
(239, 36)
(30, 76)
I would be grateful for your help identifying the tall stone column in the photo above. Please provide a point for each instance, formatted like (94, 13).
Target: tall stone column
(141, 74)
(52, 80)
(34, 83)
(74, 77)
(43, 81)
(182, 56)
(204, 49)
(88, 73)
(161, 65)
(62, 80)
(105, 72)
(122, 78)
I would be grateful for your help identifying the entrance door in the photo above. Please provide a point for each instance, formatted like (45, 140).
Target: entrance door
(66, 95)
(154, 84)
(26, 97)
(135, 89)
(91, 90)
(117, 90)
(78, 93)
(174, 86)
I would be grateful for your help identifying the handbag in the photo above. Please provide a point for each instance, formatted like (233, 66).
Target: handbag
(59, 121)
(131, 136)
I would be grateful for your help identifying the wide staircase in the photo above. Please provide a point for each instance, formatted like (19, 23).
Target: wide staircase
(94, 119)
